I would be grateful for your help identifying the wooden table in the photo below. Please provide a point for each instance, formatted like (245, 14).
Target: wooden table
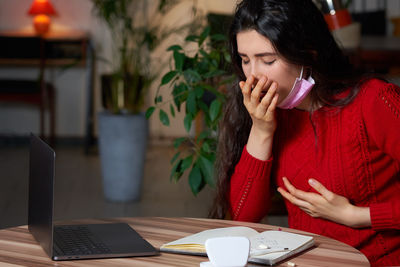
(17, 246)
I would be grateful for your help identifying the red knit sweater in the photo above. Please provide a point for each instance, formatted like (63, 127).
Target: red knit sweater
(354, 152)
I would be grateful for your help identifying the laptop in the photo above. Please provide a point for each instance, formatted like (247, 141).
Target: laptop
(71, 242)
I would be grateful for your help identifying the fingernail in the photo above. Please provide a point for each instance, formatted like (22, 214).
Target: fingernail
(311, 181)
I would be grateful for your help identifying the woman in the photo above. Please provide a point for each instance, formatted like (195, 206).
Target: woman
(301, 120)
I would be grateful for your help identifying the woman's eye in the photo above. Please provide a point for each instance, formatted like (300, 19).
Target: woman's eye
(245, 62)
(269, 62)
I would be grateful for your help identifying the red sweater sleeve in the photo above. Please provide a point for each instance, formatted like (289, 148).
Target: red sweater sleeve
(249, 188)
(381, 112)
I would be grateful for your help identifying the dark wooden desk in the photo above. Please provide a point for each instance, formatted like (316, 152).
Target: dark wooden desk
(17, 246)
(56, 49)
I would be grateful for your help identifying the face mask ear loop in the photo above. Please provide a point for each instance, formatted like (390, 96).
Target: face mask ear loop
(301, 73)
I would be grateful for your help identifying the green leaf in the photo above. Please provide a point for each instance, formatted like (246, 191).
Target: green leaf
(227, 57)
(211, 157)
(192, 38)
(214, 73)
(204, 35)
(162, 4)
(202, 135)
(214, 63)
(192, 76)
(206, 147)
(175, 157)
(199, 91)
(186, 163)
(164, 117)
(216, 56)
(174, 48)
(149, 112)
(195, 180)
(176, 171)
(191, 103)
(179, 59)
(203, 107)
(219, 37)
(187, 122)
(207, 169)
(179, 141)
(168, 77)
(179, 94)
(211, 89)
(215, 109)
(158, 99)
(172, 110)
(204, 54)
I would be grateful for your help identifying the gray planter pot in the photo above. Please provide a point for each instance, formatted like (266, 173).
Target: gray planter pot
(122, 145)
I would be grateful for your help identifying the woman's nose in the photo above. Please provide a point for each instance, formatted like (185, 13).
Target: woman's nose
(256, 73)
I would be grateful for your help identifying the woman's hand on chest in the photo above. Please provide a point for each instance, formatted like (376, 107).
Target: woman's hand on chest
(326, 204)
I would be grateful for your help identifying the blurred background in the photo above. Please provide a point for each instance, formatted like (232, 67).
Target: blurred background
(64, 72)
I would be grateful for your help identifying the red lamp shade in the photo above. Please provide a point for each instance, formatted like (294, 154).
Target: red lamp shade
(41, 9)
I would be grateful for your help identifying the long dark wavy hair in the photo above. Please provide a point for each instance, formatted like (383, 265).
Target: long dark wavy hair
(299, 34)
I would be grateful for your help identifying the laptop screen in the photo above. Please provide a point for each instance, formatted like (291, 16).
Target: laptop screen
(41, 188)
(108, 240)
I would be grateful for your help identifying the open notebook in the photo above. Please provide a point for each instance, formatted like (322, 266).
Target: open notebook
(268, 247)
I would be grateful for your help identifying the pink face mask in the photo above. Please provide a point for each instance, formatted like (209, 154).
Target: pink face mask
(301, 88)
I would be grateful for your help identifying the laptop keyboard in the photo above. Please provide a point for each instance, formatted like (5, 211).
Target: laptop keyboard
(77, 240)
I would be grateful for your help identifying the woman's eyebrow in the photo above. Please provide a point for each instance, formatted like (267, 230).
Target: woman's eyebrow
(264, 54)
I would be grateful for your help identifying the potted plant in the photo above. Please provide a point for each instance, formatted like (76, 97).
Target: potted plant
(198, 79)
(123, 128)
